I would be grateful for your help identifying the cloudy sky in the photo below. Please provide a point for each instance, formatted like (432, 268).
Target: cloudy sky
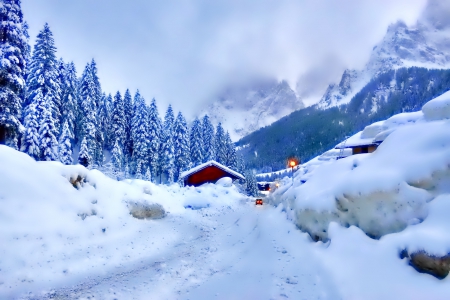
(184, 52)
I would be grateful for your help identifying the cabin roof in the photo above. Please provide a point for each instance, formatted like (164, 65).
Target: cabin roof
(356, 141)
(208, 164)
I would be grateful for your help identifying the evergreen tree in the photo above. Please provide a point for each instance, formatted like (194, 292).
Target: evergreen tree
(65, 144)
(138, 174)
(167, 156)
(181, 145)
(128, 143)
(30, 138)
(118, 121)
(240, 167)
(70, 99)
(97, 96)
(84, 157)
(103, 119)
(88, 116)
(43, 76)
(220, 145)
(139, 134)
(208, 139)
(196, 143)
(47, 140)
(154, 131)
(231, 161)
(148, 175)
(109, 134)
(117, 157)
(13, 54)
(251, 184)
(62, 82)
(96, 87)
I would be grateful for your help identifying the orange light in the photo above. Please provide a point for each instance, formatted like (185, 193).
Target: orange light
(277, 184)
(292, 163)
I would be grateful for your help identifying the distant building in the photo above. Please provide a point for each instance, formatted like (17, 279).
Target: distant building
(210, 171)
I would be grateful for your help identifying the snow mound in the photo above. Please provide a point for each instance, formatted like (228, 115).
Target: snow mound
(382, 192)
(225, 182)
(60, 224)
(438, 108)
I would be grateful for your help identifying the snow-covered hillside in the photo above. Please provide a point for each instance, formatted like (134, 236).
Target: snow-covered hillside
(427, 44)
(399, 195)
(244, 109)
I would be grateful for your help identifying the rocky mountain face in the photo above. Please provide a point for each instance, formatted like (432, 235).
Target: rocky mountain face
(427, 44)
(244, 109)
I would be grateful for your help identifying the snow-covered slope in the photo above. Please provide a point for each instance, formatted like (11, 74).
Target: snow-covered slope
(427, 44)
(244, 109)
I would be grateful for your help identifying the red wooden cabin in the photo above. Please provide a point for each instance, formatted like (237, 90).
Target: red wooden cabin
(210, 171)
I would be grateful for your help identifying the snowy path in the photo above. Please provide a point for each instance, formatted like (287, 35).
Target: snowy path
(245, 252)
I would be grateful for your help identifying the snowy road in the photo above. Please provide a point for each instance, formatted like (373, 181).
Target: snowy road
(244, 252)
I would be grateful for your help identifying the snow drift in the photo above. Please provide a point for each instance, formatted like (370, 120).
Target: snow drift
(59, 224)
(382, 192)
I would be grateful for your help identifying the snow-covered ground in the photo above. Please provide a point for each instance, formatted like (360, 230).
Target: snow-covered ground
(57, 241)
(67, 233)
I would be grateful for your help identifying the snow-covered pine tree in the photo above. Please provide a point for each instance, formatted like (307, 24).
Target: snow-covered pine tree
(62, 82)
(109, 134)
(208, 139)
(154, 131)
(139, 134)
(181, 145)
(103, 118)
(88, 115)
(167, 156)
(65, 144)
(128, 142)
(30, 137)
(13, 50)
(138, 174)
(118, 120)
(196, 143)
(70, 99)
(43, 75)
(231, 153)
(97, 89)
(48, 144)
(251, 184)
(84, 157)
(240, 167)
(148, 175)
(220, 145)
(117, 158)
(97, 96)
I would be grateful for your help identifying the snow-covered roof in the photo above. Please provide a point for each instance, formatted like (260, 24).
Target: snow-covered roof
(354, 141)
(208, 164)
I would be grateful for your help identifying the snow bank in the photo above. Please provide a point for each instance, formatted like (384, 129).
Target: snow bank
(380, 193)
(364, 268)
(59, 223)
(438, 108)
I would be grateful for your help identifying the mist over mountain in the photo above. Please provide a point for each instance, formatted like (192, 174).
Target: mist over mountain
(407, 68)
(243, 109)
(426, 44)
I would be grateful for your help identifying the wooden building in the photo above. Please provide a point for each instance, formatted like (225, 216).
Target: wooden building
(210, 171)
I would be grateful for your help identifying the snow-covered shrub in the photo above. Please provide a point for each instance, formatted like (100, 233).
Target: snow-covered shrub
(144, 210)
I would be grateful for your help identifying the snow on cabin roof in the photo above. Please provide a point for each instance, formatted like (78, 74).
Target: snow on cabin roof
(208, 164)
(354, 141)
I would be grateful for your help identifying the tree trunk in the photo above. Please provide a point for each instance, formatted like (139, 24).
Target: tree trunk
(2, 135)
